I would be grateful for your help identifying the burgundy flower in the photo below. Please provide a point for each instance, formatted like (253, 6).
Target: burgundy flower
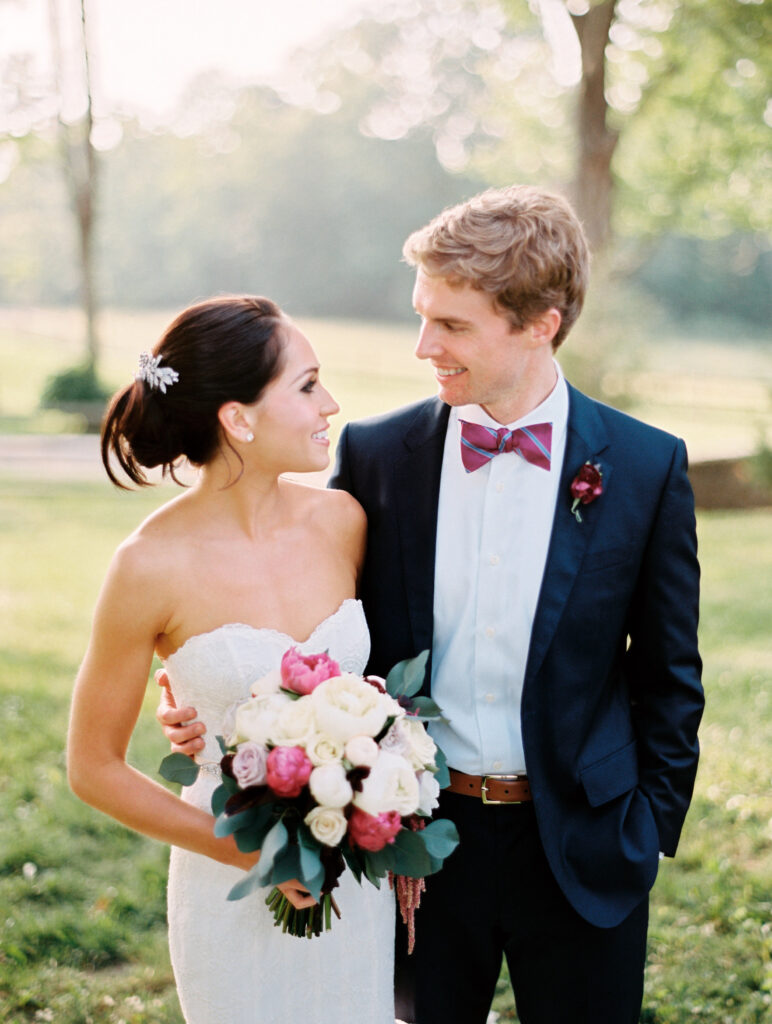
(586, 486)
(373, 831)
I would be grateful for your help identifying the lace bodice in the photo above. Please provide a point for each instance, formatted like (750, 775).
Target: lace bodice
(212, 671)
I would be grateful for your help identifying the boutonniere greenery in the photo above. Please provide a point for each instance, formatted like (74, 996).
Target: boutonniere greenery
(586, 486)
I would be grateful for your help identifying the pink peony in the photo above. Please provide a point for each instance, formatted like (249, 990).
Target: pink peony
(302, 673)
(287, 770)
(373, 831)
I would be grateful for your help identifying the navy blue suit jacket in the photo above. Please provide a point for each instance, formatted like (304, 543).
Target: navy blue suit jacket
(612, 695)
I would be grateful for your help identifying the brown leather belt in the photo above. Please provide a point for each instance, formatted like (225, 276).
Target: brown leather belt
(492, 789)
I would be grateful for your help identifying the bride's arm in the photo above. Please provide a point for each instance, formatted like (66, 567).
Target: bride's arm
(111, 683)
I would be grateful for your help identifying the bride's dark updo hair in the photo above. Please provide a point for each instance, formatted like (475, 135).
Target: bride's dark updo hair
(224, 350)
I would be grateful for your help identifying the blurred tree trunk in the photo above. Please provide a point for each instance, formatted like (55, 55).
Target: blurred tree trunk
(80, 168)
(593, 186)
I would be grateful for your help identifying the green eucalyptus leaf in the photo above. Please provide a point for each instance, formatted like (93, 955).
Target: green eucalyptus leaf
(440, 837)
(353, 861)
(219, 800)
(310, 862)
(179, 768)
(407, 677)
(442, 774)
(222, 744)
(381, 862)
(411, 856)
(314, 884)
(370, 874)
(286, 865)
(247, 884)
(275, 841)
(251, 835)
(428, 710)
(227, 824)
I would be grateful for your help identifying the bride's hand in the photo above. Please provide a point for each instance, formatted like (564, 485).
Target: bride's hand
(181, 731)
(297, 894)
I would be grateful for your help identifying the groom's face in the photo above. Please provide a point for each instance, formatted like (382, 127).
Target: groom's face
(477, 356)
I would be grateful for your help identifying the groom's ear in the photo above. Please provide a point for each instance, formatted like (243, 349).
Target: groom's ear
(543, 328)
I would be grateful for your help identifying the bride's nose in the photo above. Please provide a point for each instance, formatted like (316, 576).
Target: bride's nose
(329, 407)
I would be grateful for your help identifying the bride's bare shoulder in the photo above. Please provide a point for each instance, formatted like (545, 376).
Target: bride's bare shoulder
(331, 510)
(158, 542)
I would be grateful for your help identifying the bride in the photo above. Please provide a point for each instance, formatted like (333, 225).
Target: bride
(219, 582)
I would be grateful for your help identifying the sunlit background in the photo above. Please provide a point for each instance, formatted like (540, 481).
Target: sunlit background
(153, 153)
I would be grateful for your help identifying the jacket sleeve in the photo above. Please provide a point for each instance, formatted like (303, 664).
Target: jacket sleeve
(340, 479)
(662, 663)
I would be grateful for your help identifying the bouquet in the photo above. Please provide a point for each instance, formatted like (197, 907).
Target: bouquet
(324, 769)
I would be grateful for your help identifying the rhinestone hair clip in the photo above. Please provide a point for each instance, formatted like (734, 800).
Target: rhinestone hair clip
(155, 375)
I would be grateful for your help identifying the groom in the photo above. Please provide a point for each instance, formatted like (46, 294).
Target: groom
(542, 546)
(563, 634)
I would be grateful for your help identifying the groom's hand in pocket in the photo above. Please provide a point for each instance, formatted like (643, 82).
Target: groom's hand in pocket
(179, 725)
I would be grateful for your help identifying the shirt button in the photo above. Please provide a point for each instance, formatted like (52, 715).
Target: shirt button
(499, 487)
(494, 559)
(498, 765)
(490, 698)
(490, 632)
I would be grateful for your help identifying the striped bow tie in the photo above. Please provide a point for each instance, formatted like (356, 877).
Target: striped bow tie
(479, 444)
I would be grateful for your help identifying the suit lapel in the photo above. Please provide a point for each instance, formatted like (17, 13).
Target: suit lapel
(586, 440)
(417, 479)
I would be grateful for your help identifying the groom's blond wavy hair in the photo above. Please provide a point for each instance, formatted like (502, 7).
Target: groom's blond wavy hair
(524, 246)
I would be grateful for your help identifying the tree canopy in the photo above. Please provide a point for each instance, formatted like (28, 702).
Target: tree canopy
(305, 190)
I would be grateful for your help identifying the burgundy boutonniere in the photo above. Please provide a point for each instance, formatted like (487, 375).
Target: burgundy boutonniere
(586, 486)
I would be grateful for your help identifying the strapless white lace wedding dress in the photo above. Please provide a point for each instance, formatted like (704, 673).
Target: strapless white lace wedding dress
(232, 966)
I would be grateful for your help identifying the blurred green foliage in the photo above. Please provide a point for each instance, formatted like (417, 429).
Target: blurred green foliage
(306, 191)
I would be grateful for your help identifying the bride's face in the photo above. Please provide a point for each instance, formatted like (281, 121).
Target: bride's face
(292, 415)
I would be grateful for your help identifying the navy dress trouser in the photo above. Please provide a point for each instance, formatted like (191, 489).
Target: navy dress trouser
(496, 896)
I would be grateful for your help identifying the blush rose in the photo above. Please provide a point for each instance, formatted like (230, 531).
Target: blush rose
(248, 765)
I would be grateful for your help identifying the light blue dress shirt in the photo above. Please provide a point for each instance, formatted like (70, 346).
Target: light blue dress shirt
(493, 532)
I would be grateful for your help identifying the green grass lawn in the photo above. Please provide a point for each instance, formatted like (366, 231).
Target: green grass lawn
(82, 929)
(82, 915)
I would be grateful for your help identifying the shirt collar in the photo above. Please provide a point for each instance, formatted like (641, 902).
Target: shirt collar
(554, 410)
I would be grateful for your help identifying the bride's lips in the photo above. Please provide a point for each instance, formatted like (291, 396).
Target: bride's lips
(320, 436)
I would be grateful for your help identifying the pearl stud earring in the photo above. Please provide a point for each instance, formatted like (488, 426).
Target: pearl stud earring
(250, 436)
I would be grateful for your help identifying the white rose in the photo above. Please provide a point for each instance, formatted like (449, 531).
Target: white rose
(295, 724)
(269, 683)
(323, 749)
(347, 706)
(329, 785)
(361, 751)
(390, 786)
(428, 792)
(327, 824)
(249, 764)
(256, 718)
(422, 746)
